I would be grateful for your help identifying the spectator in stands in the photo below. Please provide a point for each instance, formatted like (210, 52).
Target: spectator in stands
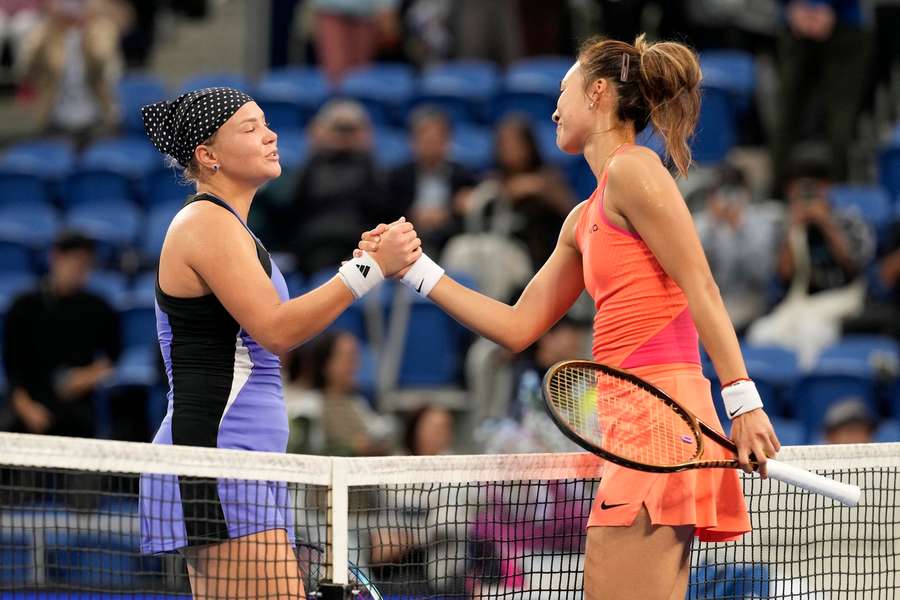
(431, 189)
(429, 431)
(351, 427)
(740, 238)
(73, 59)
(529, 198)
(60, 343)
(18, 19)
(339, 190)
(820, 263)
(349, 33)
(848, 421)
(824, 56)
(488, 29)
(881, 315)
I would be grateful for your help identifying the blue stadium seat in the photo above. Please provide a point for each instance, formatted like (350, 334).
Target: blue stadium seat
(433, 349)
(296, 283)
(473, 147)
(716, 132)
(163, 185)
(17, 187)
(155, 227)
(290, 96)
(32, 224)
(861, 355)
(136, 90)
(220, 79)
(104, 560)
(133, 157)
(15, 258)
(292, 148)
(352, 320)
(888, 431)
(889, 165)
(870, 202)
(464, 89)
(113, 223)
(49, 158)
(531, 86)
(11, 286)
(775, 371)
(790, 432)
(391, 147)
(385, 89)
(817, 391)
(731, 70)
(110, 285)
(545, 136)
(17, 559)
(86, 186)
(138, 324)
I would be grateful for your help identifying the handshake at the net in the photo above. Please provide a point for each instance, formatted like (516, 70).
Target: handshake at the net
(395, 247)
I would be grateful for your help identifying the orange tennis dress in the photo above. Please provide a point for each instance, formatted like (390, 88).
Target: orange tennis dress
(643, 325)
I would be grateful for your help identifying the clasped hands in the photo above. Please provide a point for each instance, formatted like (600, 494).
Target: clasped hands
(395, 247)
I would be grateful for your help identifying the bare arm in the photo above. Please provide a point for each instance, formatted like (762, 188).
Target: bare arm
(548, 296)
(641, 191)
(215, 246)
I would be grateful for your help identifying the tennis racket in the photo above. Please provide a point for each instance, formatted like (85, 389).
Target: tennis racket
(630, 422)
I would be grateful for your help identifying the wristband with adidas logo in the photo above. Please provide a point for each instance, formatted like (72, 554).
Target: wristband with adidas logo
(361, 274)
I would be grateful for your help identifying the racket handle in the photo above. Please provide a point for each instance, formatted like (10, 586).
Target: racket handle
(842, 492)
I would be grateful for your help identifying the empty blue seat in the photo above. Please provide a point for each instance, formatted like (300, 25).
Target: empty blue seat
(728, 581)
(889, 165)
(136, 90)
(291, 96)
(464, 89)
(220, 79)
(861, 355)
(15, 258)
(870, 202)
(156, 225)
(545, 136)
(716, 131)
(31, 224)
(12, 285)
(97, 560)
(296, 284)
(49, 158)
(531, 86)
(110, 285)
(385, 89)
(775, 371)
(87, 186)
(132, 157)
(138, 324)
(292, 148)
(473, 147)
(887, 431)
(816, 392)
(17, 187)
(164, 185)
(790, 432)
(391, 147)
(111, 222)
(650, 138)
(17, 559)
(731, 70)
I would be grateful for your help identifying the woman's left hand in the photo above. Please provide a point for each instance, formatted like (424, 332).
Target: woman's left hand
(753, 434)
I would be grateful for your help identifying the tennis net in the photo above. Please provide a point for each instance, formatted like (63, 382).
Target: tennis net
(82, 518)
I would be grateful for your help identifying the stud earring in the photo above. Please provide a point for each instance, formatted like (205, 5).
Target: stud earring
(215, 168)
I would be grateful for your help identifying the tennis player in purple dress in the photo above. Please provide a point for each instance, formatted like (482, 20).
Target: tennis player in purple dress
(223, 318)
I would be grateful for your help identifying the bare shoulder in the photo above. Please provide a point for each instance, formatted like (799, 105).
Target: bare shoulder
(204, 224)
(636, 162)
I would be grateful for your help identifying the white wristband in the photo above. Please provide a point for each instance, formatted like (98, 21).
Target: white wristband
(423, 275)
(740, 397)
(361, 274)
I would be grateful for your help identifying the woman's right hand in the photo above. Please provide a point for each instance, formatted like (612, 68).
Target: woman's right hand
(394, 247)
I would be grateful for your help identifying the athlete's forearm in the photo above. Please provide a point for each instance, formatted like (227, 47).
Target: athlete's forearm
(304, 317)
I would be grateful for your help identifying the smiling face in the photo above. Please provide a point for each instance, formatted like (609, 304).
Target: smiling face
(244, 147)
(573, 116)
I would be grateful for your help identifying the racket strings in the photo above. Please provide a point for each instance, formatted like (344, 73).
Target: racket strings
(621, 418)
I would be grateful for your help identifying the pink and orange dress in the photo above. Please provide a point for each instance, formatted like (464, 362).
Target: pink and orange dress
(643, 325)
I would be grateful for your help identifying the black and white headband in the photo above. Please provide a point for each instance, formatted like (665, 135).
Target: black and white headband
(177, 127)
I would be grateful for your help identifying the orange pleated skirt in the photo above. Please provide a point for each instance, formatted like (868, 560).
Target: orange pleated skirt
(710, 499)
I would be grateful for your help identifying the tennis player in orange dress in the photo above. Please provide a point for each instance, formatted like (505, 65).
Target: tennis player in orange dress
(633, 246)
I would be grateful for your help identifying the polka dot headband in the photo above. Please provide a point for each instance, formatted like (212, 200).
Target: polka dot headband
(178, 126)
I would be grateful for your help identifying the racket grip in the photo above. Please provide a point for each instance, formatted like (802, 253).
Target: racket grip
(842, 492)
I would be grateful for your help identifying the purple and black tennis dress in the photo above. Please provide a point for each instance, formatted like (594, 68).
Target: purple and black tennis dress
(225, 391)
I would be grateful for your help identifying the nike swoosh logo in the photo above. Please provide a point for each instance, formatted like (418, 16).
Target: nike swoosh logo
(605, 506)
(419, 289)
(731, 414)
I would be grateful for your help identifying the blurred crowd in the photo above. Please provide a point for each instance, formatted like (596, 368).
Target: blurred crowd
(803, 236)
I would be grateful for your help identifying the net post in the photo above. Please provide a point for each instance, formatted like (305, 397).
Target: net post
(338, 522)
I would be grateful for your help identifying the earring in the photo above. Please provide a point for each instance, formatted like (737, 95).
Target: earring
(215, 168)
(591, 106)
